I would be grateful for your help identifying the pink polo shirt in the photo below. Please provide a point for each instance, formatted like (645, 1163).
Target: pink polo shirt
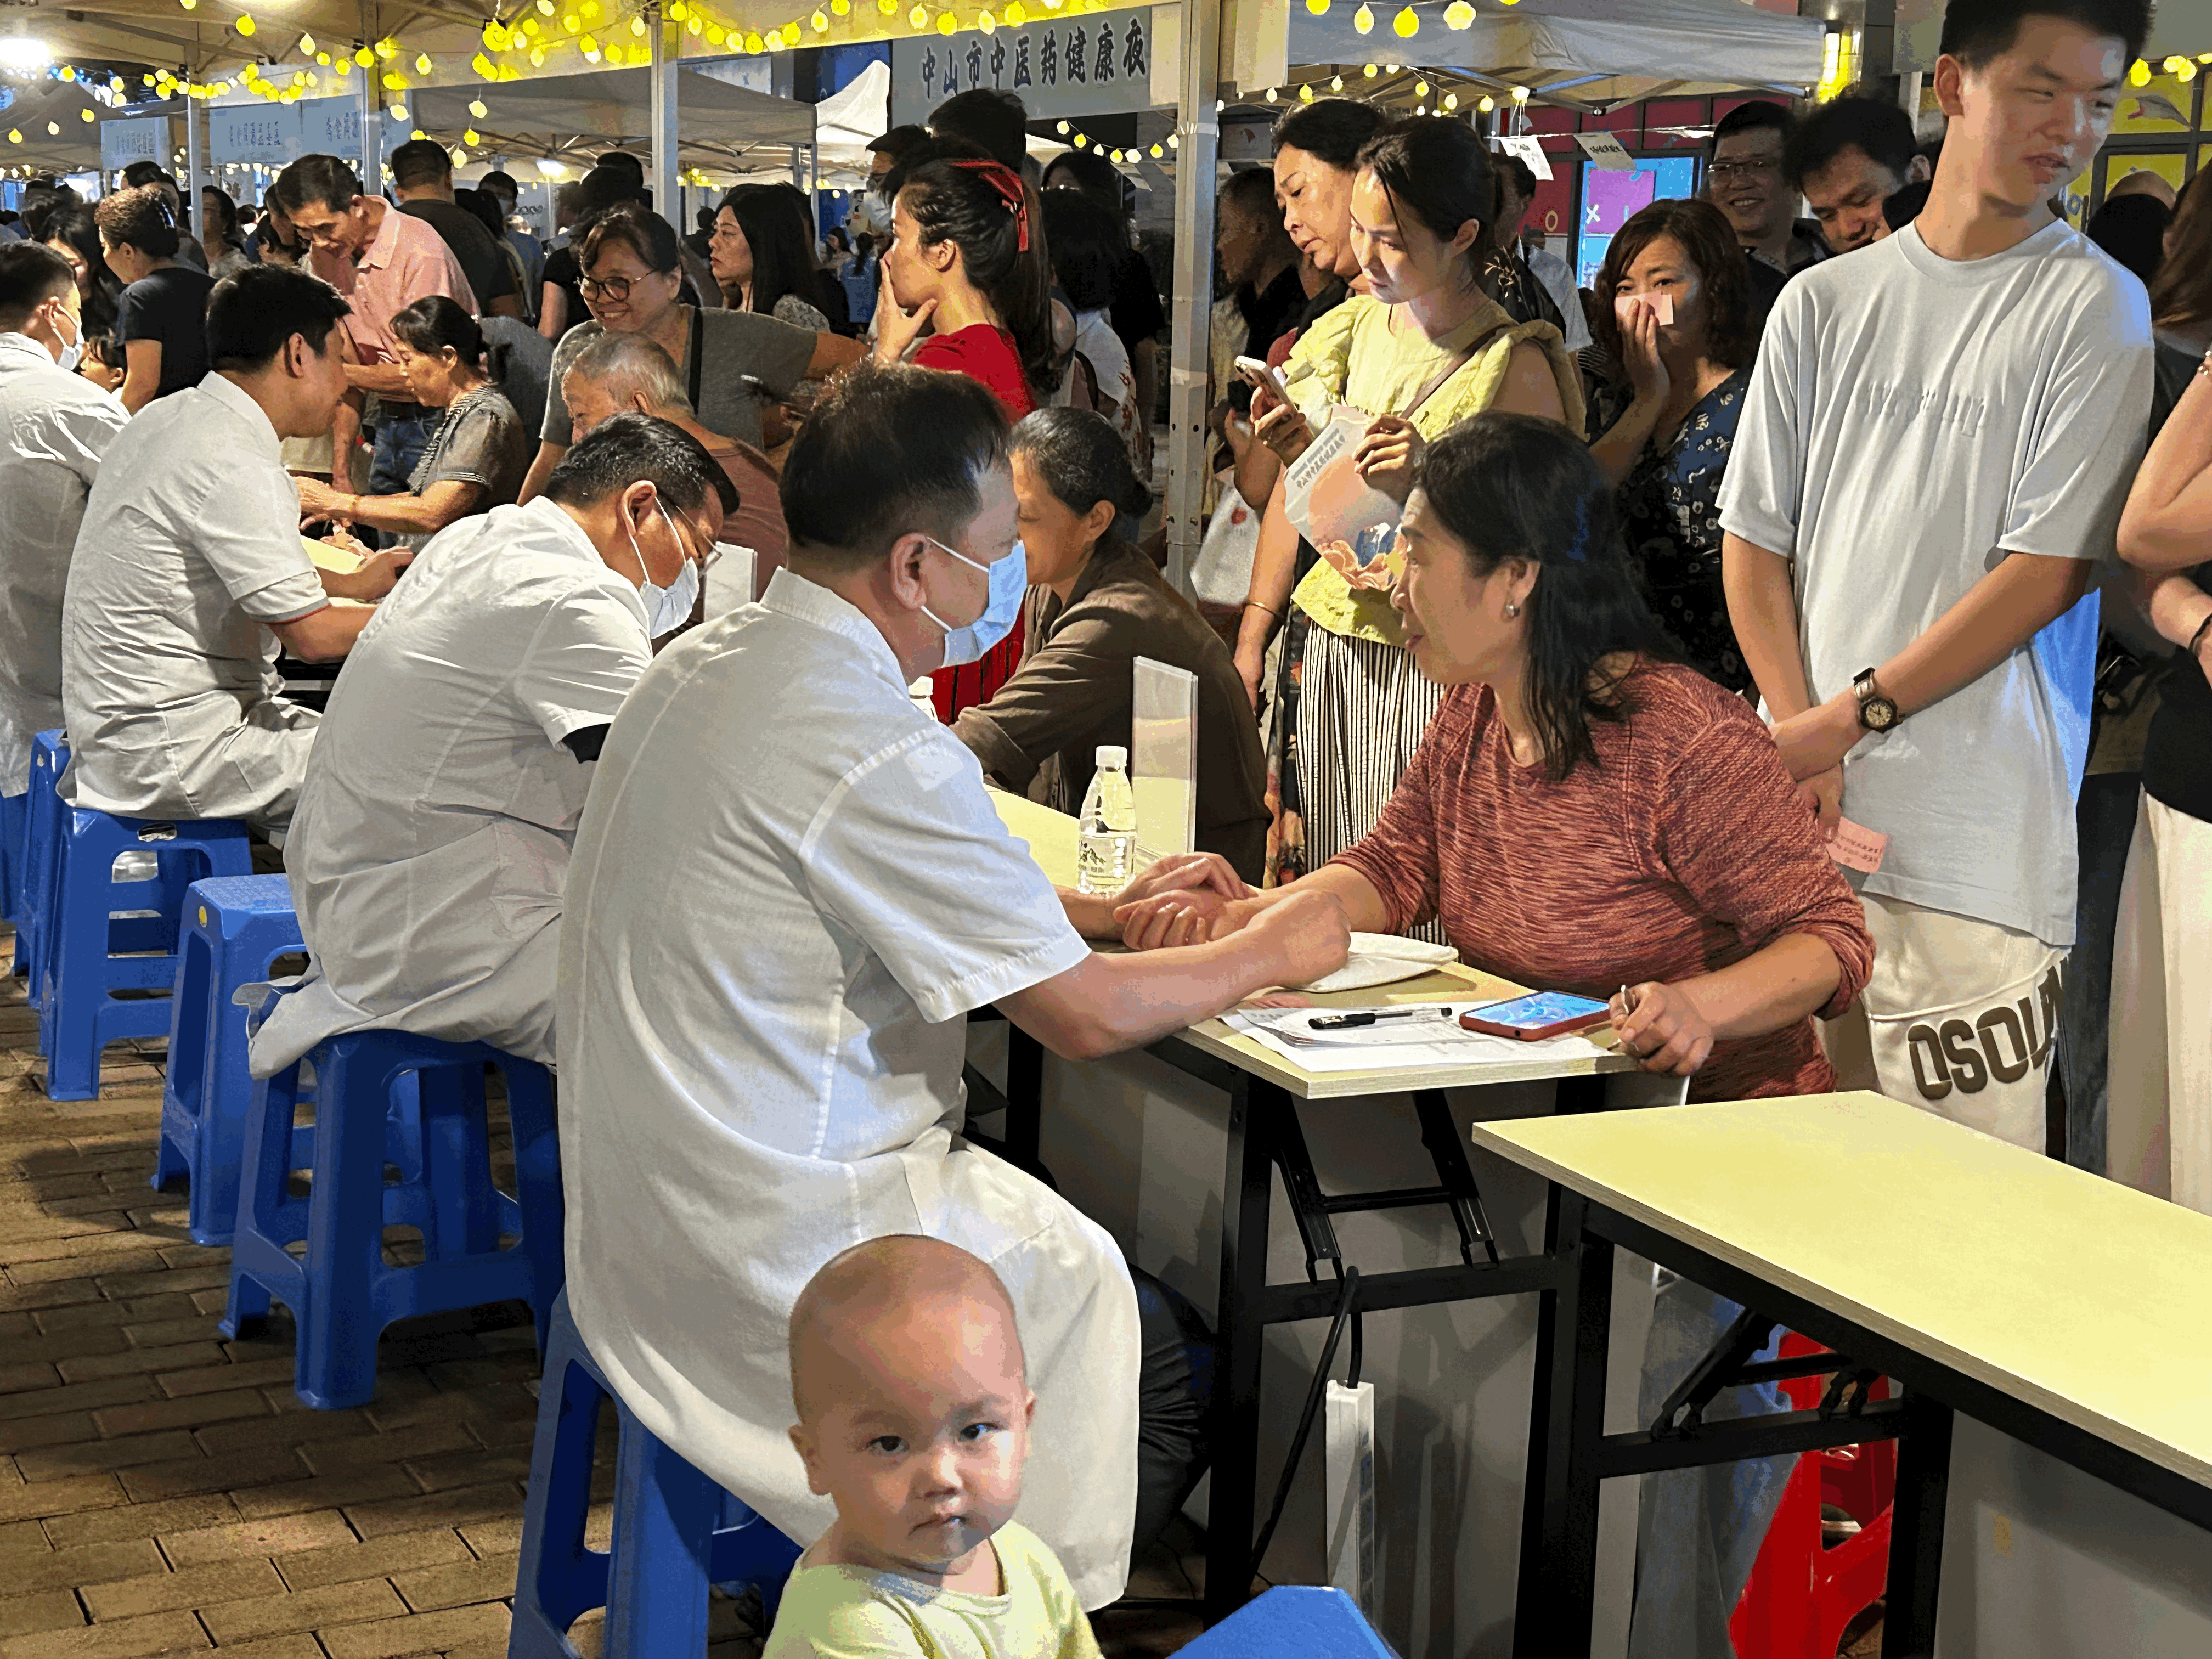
(405, 262)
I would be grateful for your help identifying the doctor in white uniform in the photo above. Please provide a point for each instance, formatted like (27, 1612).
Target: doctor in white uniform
(189, 571)
(55, 425)
(428, 852)
(789, 888)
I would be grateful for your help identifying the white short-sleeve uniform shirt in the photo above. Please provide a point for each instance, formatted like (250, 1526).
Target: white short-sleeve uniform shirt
(789, 888)
(190, 545)
(431, 844)
(54, 427)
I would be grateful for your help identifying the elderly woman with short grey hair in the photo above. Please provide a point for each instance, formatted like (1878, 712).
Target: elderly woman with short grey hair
(1096, 604)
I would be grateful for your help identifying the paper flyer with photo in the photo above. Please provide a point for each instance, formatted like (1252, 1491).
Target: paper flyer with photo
(1351, 524)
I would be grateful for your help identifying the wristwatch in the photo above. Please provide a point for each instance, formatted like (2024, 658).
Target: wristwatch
(1876, 711)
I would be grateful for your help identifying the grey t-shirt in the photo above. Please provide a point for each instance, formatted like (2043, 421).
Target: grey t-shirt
(730, 344)
(483, 441)
(1912, 418)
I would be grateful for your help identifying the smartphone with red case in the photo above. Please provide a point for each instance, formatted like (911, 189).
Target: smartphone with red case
(1546, 1014)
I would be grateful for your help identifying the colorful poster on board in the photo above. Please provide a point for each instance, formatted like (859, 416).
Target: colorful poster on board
(1610, 199)
(1099, 63)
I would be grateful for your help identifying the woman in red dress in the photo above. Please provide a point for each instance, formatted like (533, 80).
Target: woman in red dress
(967, 260)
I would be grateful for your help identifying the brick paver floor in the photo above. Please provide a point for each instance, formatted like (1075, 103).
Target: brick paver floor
(162, 1490)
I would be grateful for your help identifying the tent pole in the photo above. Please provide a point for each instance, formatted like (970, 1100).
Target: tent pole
(195, 162)
(371, 115)
(664, 188)
(1200, 127)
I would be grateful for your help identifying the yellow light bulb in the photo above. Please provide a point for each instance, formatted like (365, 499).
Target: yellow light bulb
(245, 23)
(1406, 23)
(1362, 21)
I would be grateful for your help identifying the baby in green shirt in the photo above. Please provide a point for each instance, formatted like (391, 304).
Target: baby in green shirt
(913, 1419)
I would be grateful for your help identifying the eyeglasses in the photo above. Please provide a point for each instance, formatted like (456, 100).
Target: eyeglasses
(613, 288)
(1752, 167)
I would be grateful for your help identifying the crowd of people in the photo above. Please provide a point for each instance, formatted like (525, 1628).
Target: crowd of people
(1794, 547)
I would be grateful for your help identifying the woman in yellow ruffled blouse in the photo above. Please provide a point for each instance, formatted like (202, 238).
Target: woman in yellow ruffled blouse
(1424, 349)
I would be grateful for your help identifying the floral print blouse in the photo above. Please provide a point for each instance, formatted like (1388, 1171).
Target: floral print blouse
(1670, 512)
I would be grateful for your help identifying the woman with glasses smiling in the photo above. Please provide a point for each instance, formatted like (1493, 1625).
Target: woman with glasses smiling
(632, 281)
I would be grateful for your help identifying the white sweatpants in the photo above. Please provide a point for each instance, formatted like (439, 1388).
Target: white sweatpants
(2159, 1134)
(1957, 1019)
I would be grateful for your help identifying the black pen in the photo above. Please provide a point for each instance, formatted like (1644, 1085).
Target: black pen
(1366, 1017)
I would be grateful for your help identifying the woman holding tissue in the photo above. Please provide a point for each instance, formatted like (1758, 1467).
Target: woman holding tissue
(1674, 309)
(1424, 349)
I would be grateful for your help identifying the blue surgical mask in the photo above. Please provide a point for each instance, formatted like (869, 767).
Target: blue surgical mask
(1010, 580)
(667, 609)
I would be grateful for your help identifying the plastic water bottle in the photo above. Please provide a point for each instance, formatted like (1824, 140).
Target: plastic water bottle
(1106, 846)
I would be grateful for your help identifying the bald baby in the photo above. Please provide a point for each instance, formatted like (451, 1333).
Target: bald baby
(914, 1408)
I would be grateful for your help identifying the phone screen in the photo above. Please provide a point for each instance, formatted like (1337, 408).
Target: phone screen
(1532, 1013)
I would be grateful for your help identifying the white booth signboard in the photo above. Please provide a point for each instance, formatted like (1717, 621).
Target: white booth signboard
(1099, 63)
(143, 138)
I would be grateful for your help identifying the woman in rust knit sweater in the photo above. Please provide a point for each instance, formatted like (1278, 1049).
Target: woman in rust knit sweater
(1585, 813)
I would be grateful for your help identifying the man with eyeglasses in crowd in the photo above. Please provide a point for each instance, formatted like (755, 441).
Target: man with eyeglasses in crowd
(1745, 179)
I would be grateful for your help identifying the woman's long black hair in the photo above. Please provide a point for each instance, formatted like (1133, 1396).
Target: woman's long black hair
(775, 229)
(1517, 486)
(953, 200)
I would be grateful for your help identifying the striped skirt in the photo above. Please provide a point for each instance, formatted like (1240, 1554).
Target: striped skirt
(1361, 708)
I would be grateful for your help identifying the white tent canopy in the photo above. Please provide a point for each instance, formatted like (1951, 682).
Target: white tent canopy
(1588, 52)
(554, 115)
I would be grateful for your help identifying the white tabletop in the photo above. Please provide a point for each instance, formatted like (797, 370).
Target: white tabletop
(1052, 841)
(2077, 1295)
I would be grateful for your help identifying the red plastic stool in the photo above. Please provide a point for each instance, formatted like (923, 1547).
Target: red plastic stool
(1800, 1594)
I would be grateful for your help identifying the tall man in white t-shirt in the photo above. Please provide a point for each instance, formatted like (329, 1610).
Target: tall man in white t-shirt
(1933, 451)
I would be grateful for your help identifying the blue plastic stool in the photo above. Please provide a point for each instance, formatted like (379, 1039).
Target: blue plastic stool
(93, 952)
(235, 928)
(34, 876)
(12, 812)
(1293, 1621)
(341, 1292)
(675, 1531)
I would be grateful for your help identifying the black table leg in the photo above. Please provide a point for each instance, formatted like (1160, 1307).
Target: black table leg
(1025, 1097)
(1245, 1193)
(1558, 1579)
(1916, 1531)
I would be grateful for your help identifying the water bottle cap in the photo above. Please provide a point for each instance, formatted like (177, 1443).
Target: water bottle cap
(1113, 755)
